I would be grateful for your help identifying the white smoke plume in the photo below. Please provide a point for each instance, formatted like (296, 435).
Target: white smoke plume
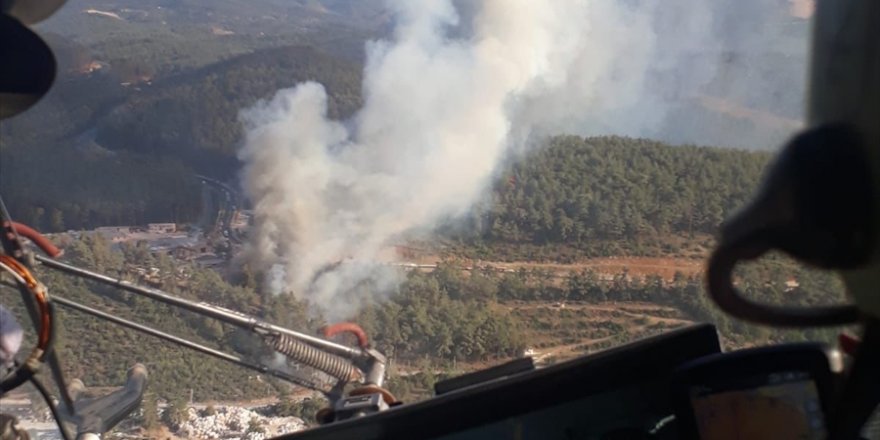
(440, 112)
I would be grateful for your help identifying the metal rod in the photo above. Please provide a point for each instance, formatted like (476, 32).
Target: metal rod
(51, 357)
(230, 317)
(58, 376)
(31, 305)
(186, 343)
(11, 246)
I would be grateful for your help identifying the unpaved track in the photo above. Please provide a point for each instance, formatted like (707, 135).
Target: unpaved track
(641, 266)
(664, 267)
(637, 317)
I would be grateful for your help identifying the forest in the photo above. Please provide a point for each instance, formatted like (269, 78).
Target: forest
(194, 116)
(613, 196)
(64, 189)
(119, 144)
(590, 196)
(138, 109)
(429, 316)
(135, 134)
(96, 153)
(445, 321)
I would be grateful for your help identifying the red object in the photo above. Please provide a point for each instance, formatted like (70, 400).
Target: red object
(849, 344)
(38, 239)
(347, 327)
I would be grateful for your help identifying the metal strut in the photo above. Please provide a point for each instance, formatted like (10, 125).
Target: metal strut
(228, 316)
(189, 344)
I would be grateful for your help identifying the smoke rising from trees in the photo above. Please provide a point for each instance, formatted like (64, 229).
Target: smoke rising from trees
(441, 112)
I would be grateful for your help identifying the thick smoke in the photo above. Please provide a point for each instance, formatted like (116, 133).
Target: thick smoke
(441, 113)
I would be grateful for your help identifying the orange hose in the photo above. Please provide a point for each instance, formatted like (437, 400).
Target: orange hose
(39, 293)
(848, 344)
(348, 327)
(372, 389)
(38, 239)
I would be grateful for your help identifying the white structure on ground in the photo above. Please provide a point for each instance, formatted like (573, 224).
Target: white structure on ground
(161, 228)
(230, 422)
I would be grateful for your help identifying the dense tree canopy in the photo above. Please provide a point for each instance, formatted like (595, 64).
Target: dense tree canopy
(195, 115)
(444, 315)
(576, 190)
(95, 152)
(58, 188)
(579, 197)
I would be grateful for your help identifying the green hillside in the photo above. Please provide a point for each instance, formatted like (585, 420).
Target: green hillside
(580, 197)
(194, 116)
(95, 152)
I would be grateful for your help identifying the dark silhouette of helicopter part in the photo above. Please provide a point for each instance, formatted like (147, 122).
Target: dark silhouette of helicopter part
(821, 202)
(30, 11)
(28, 67)
(96, 416)
(815, 205)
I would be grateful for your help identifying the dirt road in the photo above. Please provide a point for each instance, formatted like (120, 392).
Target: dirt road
(665, 268)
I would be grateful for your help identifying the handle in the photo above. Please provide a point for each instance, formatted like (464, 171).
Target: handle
(814, 205)
(100, 415)
(729, 299)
